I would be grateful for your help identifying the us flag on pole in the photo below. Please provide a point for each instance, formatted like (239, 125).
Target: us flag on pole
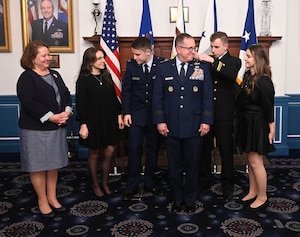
(109, 43)
(33, 13)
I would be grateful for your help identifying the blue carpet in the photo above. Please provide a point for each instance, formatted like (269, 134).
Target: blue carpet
(111, 216)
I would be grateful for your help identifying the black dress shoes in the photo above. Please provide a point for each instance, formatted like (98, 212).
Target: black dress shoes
(176, 208)
(204, 189)
(190, 208)
(154, 191)
(129, 196)
(227, 196)
(183, 207)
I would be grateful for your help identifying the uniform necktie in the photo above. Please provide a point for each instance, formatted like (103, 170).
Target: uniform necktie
(146, 69)
(45, 27)
(182, 72)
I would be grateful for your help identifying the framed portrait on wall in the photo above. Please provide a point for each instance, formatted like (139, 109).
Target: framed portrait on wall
(174, 11)
(50, 21)
(5, 39)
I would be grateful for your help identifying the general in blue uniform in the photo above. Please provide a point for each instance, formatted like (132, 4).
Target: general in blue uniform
(48, 29)
(183, 112)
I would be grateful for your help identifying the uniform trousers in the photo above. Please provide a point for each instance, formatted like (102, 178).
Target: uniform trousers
(183, 161)
(136, 135)
(222, 130)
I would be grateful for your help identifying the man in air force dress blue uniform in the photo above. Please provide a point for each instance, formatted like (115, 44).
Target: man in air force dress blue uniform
(183, 112)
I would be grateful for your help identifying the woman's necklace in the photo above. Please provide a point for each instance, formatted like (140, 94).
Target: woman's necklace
(99, 80)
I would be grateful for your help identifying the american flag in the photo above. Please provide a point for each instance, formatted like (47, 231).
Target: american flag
(33, 13)
(109, 43)
(146, 24)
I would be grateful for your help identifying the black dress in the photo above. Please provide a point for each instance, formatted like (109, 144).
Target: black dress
(254, 113)
(97, 106)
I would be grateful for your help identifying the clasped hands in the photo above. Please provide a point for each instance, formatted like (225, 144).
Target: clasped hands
(61, 118)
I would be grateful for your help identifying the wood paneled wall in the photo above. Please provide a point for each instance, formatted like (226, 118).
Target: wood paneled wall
(163, 46)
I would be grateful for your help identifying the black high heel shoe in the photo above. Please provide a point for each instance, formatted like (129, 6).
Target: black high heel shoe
(262, 206)
(105, 191)
(48, 215)
(58, 209)
(97, 196)
(247, 202)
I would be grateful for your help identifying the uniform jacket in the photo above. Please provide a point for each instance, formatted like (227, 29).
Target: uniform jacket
(137, 91)
(38, 98)
(224, 72)
(183, 105)
(57, 34)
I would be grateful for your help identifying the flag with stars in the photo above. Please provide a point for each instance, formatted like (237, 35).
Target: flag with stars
(146, 24)
(33, 14)
(249, 38)
(109, 43)
(180, 25)
(210, 26)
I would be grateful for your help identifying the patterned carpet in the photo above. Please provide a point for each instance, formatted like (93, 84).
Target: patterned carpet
(111, 216)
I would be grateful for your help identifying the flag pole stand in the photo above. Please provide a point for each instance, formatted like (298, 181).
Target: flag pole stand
(115, 167)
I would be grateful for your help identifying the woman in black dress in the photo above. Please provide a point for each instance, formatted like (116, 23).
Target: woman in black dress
(99, 115)
(255, 122)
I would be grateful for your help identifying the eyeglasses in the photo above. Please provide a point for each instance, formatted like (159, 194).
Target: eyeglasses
(190, 49)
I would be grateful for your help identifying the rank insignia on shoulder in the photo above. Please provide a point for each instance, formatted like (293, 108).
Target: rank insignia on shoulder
(196, 63)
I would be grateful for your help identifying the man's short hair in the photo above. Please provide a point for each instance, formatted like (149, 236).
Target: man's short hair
(219, 35)
(142, 43)
(179, 39)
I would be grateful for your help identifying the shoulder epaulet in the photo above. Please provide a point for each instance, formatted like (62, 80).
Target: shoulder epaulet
(160, 58)
(165, 60)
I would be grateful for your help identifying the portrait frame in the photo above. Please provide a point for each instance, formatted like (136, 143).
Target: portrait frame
(5, 34)
(54, 61)
(26, 17)
(173, 14)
